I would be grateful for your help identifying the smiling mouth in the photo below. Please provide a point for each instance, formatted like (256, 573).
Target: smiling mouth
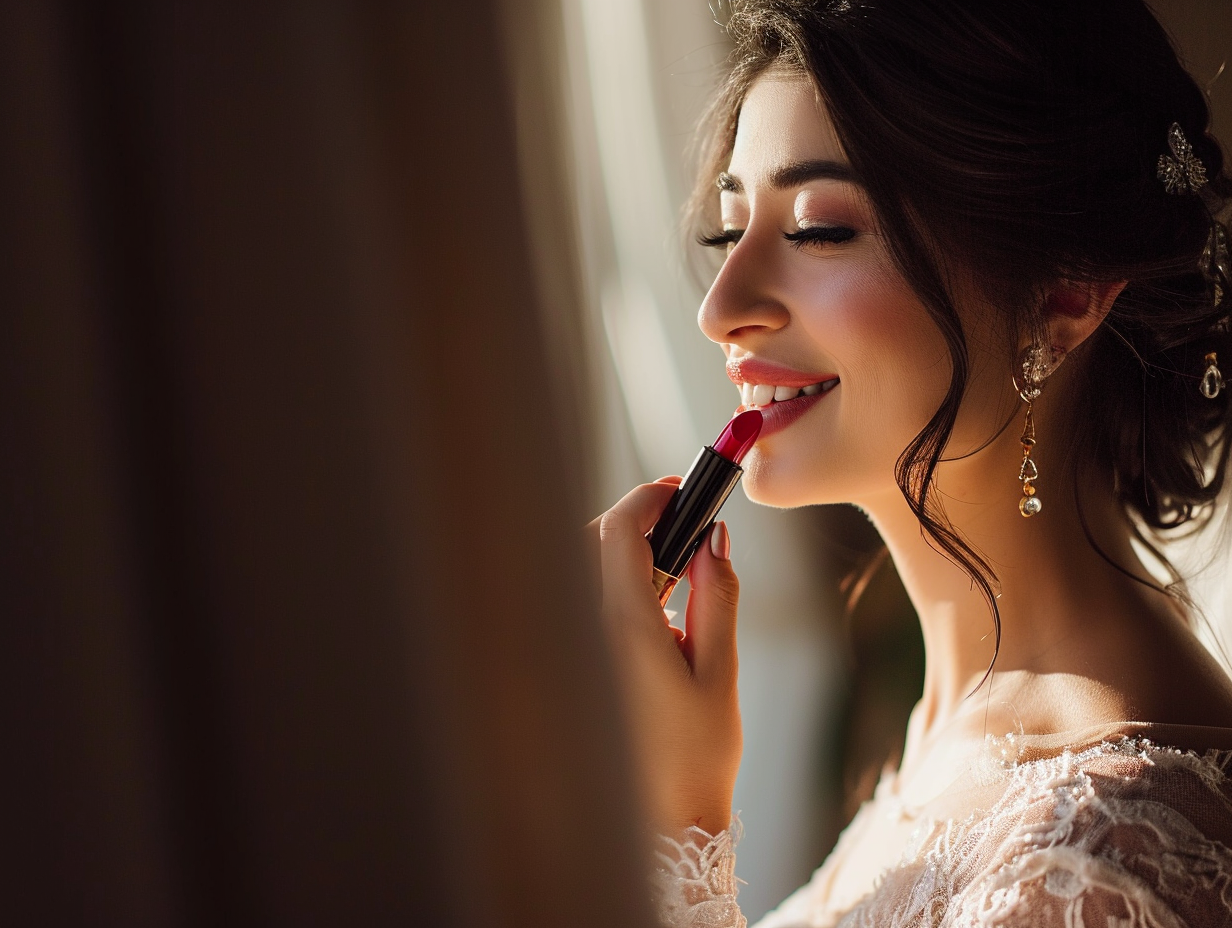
(763, 395)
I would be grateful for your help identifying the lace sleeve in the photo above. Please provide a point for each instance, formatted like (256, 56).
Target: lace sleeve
(1113, 849)
(1076, 890)
(694, 879)
(1120, 835)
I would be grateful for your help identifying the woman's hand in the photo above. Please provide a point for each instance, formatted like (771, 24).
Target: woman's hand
(679, 687)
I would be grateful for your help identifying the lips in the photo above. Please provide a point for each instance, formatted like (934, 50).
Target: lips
(781, 393)
(756, 370)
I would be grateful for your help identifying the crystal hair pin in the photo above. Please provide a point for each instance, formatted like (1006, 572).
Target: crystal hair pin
(1183, 172)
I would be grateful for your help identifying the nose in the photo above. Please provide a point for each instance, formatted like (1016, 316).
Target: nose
(743, 304)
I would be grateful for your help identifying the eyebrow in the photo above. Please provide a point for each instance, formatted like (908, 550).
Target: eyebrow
(794, 174)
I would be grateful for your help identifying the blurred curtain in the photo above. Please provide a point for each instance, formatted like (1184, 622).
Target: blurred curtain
(295, 625)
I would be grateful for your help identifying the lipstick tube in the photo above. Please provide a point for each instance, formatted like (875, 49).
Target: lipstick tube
(714, 474)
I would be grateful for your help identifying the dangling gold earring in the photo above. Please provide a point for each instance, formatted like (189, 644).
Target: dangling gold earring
(1036, 364)
(1030, 504)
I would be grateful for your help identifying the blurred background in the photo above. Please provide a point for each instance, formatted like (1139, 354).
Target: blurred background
(325, 326)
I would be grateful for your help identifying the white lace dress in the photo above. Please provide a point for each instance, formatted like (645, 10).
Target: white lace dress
(1102, 829)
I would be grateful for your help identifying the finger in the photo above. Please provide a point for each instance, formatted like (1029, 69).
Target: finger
(710, 617)
(644, 504)
(594, 526)
(632, 504)
(636, 513)
(625, 556)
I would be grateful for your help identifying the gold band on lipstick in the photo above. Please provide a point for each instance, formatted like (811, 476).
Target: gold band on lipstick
(664, 583)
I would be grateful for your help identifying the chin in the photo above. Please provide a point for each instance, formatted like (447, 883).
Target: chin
(787, 482)
(768, 485)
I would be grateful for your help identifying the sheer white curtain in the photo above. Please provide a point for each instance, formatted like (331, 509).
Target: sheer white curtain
(640, 73)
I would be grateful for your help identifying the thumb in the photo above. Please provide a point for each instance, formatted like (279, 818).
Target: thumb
(710, 618)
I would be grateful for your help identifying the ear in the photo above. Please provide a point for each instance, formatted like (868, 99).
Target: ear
(1073, 311)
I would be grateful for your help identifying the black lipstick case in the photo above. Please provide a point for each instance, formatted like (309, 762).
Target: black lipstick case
(679, 531)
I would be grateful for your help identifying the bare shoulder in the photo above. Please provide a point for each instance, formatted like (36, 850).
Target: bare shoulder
(1172, 678)
(1143, 665)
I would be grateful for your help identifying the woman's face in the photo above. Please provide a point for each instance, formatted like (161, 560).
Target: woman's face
(808, 295)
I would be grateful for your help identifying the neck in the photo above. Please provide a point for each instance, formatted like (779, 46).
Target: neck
(1063, 607)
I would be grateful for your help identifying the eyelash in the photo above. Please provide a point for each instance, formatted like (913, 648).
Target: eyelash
(813, 235)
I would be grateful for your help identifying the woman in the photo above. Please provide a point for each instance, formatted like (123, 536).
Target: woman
(980, 228)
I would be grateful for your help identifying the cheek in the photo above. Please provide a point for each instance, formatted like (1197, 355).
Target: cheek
(893, 361)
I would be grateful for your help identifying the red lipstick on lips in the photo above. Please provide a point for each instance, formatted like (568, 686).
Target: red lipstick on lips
(705, 488)
(756, 370)
(779, 414)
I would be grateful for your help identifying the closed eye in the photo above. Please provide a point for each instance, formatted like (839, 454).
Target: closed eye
(811, 235)
(724, 239)
(820, 235)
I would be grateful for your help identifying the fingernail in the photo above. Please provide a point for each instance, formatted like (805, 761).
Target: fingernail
(720, 541)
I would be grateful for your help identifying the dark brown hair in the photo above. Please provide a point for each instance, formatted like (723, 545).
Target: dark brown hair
(1023, 138)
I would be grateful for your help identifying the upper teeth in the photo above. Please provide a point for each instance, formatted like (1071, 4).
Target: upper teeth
(763, 394)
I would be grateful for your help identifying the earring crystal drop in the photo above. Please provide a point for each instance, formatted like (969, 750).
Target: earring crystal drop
(1035, 366)
(1030, 505)
(1028, 473)
(1212, 380)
